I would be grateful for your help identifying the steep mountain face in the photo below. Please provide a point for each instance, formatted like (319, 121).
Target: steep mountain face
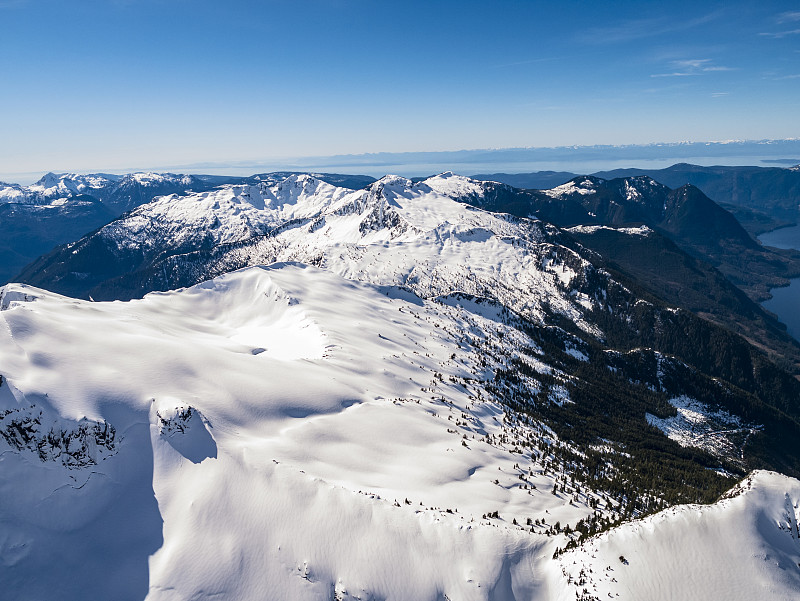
(597, 211)
(31, 229)
(686, 214)
(773, 190)
(659, 265)
(761, 198)
(416, 399)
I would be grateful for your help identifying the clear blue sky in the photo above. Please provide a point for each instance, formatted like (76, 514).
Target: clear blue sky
(114, 84)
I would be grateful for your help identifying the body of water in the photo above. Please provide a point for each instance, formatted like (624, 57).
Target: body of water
(785, 302)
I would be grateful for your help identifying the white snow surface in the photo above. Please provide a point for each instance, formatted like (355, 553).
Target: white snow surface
(583, 187)
(284, 433)
(741, 548)
(394, 233)
(641, 230)
(698, 425)
(227, 214)
(280, 433)
(69, 184)
(454, 186)
(52, 188)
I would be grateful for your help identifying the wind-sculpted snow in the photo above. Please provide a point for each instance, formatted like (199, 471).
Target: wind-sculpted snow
(282, 432)
(310, 436)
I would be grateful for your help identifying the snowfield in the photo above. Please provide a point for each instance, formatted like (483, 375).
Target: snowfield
(697, 425)
(282, 432)
(741, 548)
(278, 433)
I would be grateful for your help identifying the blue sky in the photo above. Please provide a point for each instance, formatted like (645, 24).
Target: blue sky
(118, 84)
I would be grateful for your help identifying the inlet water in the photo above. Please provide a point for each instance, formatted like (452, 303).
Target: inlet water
(785, 302)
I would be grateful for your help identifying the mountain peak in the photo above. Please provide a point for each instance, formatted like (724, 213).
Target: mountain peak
(455, 186)
(49, 179)
(582, 185)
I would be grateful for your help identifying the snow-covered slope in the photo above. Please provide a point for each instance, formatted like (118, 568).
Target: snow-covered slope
(741, 548)
(284, 433)
(224, 215)
(420, 236)
(64, 185)
(278, 433)
(51, 187)
(415, 399)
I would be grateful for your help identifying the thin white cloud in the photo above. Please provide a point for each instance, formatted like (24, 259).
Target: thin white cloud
(719, 94)
(779, 34)
(528, 62)
(690, 67)
(788, 17)
(697, 63)
(676, 74)
(637, 29)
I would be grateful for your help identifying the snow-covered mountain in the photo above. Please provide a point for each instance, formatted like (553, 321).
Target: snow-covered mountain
(286, 433)
(52, 186)
(118, 192)
(414, 399)
(62, 208)
(425, 236)
(418, 231)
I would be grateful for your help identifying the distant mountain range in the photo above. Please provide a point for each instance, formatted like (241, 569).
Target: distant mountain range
(760, 198)
(784, 152)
